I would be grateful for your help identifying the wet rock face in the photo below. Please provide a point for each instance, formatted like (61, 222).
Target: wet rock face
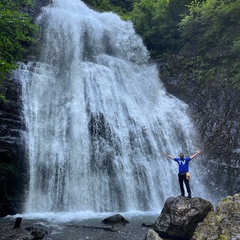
(215, 110)
(217, 120)
(180, 216)
(12, 166)
(223, 223)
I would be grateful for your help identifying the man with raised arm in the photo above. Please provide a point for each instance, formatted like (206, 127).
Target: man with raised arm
(183, 175)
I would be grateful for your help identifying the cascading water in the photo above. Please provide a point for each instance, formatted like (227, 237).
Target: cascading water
(98, 118)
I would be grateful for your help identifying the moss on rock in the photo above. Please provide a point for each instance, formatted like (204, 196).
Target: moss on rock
(223, 223)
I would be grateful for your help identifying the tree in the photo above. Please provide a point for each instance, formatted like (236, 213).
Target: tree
(16, 34)
(210, 32)
(117, 6)
(212, 26)
(157, 22)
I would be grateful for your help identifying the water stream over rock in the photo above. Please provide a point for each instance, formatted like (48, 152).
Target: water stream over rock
(98, 118)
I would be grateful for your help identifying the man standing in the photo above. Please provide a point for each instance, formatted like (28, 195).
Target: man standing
(183, 175)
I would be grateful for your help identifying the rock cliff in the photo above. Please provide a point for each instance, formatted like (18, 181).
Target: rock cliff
(215, 108)
(12, 166)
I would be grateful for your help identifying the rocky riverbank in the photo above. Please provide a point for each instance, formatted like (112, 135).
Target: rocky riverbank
(91, 229)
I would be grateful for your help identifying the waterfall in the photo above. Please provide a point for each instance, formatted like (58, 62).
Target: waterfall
(98, 117)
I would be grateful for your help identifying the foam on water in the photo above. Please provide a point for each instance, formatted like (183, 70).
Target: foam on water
(63, 217)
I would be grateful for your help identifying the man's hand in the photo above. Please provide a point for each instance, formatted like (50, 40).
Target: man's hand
(195, 154)
(166, 154)
(198, 151)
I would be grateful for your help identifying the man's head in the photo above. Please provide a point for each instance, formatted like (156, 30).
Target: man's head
(181, 155)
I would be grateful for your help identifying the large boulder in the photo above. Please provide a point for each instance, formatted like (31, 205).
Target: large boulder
(180, 216)
(223, 223)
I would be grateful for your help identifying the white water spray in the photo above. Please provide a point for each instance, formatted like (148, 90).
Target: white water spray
(98, 118)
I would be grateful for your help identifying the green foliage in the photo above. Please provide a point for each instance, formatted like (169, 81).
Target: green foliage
(6, 167)
(145, 16)
(16, 34)
(157, 22)
(212, 25)
(203, 34)
(222, 237)
(16, 4)
(211, 29)
(118, 6)
(126, 5)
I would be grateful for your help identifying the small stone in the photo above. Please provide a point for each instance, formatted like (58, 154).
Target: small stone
(148, 224)
(152, 235)
(115, 219)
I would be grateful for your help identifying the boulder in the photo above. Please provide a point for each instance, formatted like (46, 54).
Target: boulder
(117, 218)
(180, 216)
(152, 235)
(223, 223)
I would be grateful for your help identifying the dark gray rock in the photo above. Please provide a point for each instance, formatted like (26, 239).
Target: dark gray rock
(147, 224)
(36, 232)
(180, 216)
(115, 219)
(12, 165)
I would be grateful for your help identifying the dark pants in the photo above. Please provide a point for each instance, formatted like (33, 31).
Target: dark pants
(181, 179)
